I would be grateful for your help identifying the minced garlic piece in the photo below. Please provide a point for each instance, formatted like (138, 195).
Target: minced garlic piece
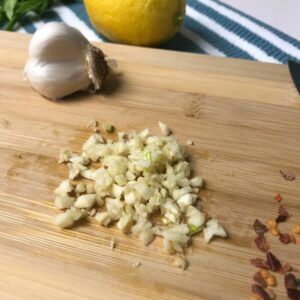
(181, 263)
(112, 244)
(164, 128)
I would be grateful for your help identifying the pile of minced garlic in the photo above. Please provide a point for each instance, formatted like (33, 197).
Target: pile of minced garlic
(137, 176)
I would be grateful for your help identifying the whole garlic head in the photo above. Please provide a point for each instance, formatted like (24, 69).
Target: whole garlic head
(62, 61)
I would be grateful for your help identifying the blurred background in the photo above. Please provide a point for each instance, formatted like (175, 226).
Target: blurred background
(263, 30)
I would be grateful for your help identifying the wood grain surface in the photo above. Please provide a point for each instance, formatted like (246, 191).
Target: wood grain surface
(244, 119)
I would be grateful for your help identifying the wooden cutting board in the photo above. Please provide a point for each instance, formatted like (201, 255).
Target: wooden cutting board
(244, 120)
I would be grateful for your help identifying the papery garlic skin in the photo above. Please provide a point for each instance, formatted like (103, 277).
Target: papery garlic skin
(62, 61)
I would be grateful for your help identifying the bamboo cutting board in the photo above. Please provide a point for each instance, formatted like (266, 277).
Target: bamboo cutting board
(244, 119)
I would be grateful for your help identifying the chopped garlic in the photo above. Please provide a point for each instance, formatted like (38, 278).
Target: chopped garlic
(80, 159)
(181, 192)
(125, 223)
(117, 190)
(64, 188)
(145, 133)
(146, 237)
(181, 263)
(103, 218)
(121, 136)
(189, 143)
(194, 216)
(75, 169)
(64, 201)
(68, 218)
(164, 128)
(140, 175)
(93, 125)
(80, 188)
(136, 264)
(64, 155)
(64, 220)
(112, 244)
(196, 182)
(93, 212)
(213, 227)
(90, 189)
(85, 201)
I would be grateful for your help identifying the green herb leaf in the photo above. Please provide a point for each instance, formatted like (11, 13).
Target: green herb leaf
(9, 6)
(148, 156)
(195, 229)
(21, 8)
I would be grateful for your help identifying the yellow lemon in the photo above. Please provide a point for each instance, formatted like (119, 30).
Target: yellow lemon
(136, 22)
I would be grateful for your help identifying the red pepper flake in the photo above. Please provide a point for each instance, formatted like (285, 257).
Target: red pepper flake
(273, 262)
(281, 219)
(259, 280)
(282, 211)
(260, 263)
(291, 285)
(285, 268)
(287, 175)
(293, 294)
(259, 227)
(259, 291)
(290, 281)
(278, 197)
(285, 238)
(262, 243)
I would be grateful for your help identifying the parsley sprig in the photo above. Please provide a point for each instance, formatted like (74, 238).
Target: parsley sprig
(11, 11)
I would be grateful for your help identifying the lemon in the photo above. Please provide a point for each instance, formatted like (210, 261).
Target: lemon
(136, 22)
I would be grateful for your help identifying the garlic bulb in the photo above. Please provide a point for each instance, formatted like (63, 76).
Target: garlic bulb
(62, 61)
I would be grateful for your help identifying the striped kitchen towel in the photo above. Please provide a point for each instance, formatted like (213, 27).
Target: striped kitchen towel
(210, 27)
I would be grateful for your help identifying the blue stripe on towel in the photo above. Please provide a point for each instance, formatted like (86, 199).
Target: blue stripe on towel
(79, 9)
(242, 32)
(216, 40)
(27, 24)
(180, 43)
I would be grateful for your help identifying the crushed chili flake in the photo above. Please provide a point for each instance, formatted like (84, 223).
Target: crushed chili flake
(259, 279)
(273, 262)
(278, 197)
(258, 290)
(287, 175)
(281, 219)
(291, 285)
(262, 243)
(290, 281)
(259, 227)
(293, 294)
(260, 263)
(282, 211)
(285, 268)
(285, 238)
